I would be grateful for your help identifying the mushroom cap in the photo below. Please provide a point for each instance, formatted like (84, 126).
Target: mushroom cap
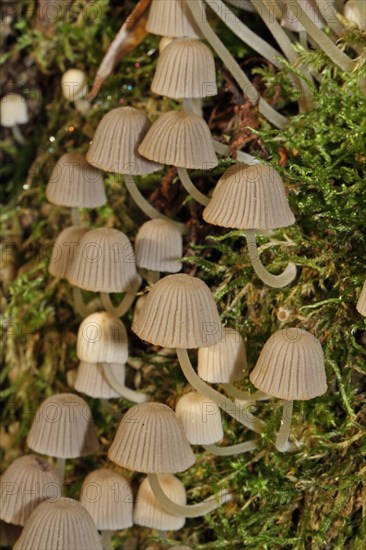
(59, 525)
(181, 139)
(13, 110)
(291, 366)
(75, 183)
(64, 250)
(291, 22)
(150, 439)
(355, 11)
(148, 511)
(102, 338)
(185, 69)
(201, 419)
(73, 83)
(115, 143)
(90, 380)
(63, 427)
(108, 498)
(34, 481)
(171, 19)
(158, 245)
(249, 197)
(104, 262)
(361, 302)
(224, 362)
(179, 312)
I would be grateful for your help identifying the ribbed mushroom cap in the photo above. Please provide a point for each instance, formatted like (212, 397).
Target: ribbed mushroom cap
(291, 22)
(171, 18)
(102, 338)
(24, 485)
(291, 366)
(9, 534)
(150, 439)
(250, 197)
(201, 419)
(64, 251)
(104, 262)
(63, 524)
(185, 69)
(13, 110)
(158, 245)
(108, 498)
(90, 380)
(361, 303)
(75, 183)
(115, 143)
(355, 11)
(179, 312)
(224, 362)
(181, 139)
(149, 513)
(63, 427)
(73, 83)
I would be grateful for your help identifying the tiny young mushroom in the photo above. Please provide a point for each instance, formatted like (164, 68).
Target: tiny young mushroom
(252, 198)
(108, 498)
(63, 428)
(14, 111)
(290, 367)
(74, 88)
(361, 302)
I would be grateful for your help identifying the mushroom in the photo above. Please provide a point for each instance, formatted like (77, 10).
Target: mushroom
(107, 496)
(13, 111)
(63, 428)
(27, 482)
(63, 524)
(151, 440)
(91, 380)
(361, 303)
(171, 19)
(74, 88)
(290, 367)
(252, 198)
(355, 11)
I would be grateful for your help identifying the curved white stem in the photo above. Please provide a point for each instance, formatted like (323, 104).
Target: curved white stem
(80, 306)
(242, 4)
(275, 281)
(244, 395)
(185, 510)
(60, 469)
(239, 412)
(191, 188)
(150, 276)
(224, 151)
(282, 443)
(17, 134)
(75, 216)
(122, 308)
(231, 450)
(106, 538)
(329, 12)
(193, 105)
(127, 393)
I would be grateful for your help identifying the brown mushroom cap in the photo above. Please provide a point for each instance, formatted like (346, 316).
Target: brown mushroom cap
(224, 362)
(201, 419)
(291, 366)
(361, 303)
(158, 245)
(167, 18)
(90, 380)
(64, 251)
(102, 338)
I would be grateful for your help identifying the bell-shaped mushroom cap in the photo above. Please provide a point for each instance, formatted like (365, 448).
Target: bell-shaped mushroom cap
(181, 139)
(90, 380)
(102, 338)
(73, 83)
(9, 534)
(13, 110)
(108, 498)
(179, 312)
(24, 485)
(291, 366)
(150, 439)
(63, 524)
(64, 251)
(158, 245)
(224, 362)
(104, 262)
(75, 183)
(361, 303)
(291, 22)
(149, 513)
(185, 69)
(63, 427)
(115, 143)
(201, 419)
(172, 18)
(250, 197)
(355, 11)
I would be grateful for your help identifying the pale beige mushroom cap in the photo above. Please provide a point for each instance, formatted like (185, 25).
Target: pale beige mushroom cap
(150, 439)
(102, 338)
(171, 18)
(149, 513)
(291, 366)
(179, 312)
(181, 139)
(249, 197)
(104, 262)
(158, 246)
(115, 143)
(361, 303)
(355, 11)
(90, 380)
(63, 524)
(185, 69)
(291, 22)
(108, 498)
(201, 419)
(32, 480)
(64, 251)
(225, 362)
(73, 84)
(13, 110)
(63, 427)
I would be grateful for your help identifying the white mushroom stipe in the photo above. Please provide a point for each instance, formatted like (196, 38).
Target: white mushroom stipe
(126, 393)
(282, 440)
(60, 469)
(125, 303)
(106, 538)
(191, 188)
(231, 450)
(241, 395)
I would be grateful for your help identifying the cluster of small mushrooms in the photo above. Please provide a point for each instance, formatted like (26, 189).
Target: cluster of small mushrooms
(178, 313)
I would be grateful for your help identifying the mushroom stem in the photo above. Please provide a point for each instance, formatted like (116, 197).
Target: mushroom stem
(150, 276)
(106, 538)
(231, 450)
(126, 393)
(244, 395)
(303, 39)
(123, 307)
(329, 12)
(193, 105)
(17, 134)
(80, 306)
(146, 207)
(224, 150)
(282, 443)
(188, 511)
(75, 216)
(239, 412)
(191, 188)
(275, 281)
(60, 469)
